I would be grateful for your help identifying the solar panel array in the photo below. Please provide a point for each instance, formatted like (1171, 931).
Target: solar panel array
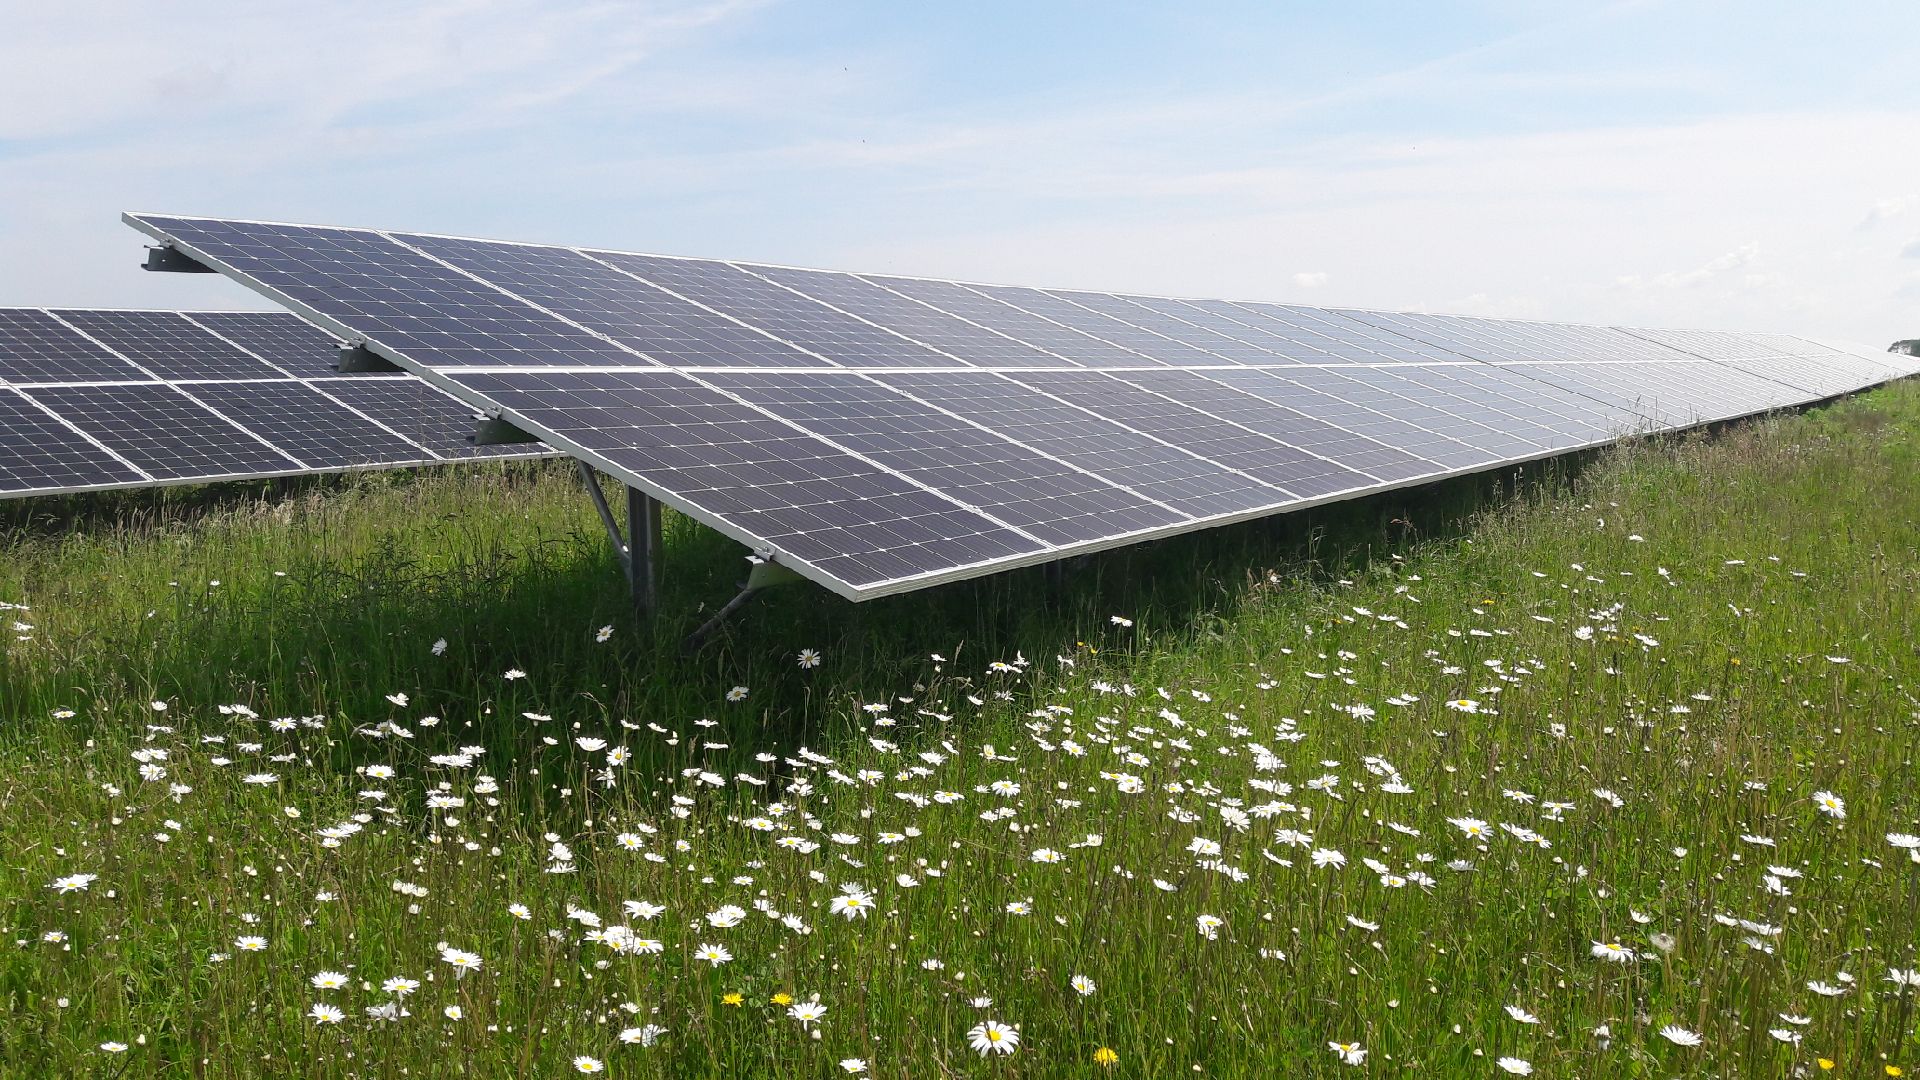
(102, 399)
(880, 433)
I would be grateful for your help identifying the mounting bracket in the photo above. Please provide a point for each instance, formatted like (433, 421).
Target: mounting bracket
(764, 574)
(493, 431)
(358, 358)
(171, 260)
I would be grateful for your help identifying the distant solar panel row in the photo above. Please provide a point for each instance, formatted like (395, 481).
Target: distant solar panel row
(881, 433)
(102, 399)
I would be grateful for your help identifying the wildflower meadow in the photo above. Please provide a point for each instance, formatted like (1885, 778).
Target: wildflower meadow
(1600, 769)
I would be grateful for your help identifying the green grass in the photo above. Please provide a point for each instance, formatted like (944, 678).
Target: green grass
(1749, 601)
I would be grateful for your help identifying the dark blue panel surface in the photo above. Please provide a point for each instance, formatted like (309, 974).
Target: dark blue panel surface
(789, 316)
(39, 453)
(161, 430)
(663, 327)
(35, 347)
(387, 292)
(318, 430)
(166, 344)
(1013, 483)
(841, 514)
(1153, 467)
(281, 338)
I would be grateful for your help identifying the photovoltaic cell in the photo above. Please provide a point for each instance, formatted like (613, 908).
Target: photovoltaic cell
(1341, 337)
(1566, 420)
(880, 433)
(1213, 348)
(415, 305)
(1408, 402)
(1286, 343)
(1476, 419)
(1417, 450)
(1816, 377)
(1352, 460)
(1288, 468)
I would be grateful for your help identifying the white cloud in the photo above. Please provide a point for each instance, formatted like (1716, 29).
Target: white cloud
(1547, 224)
(1310, 280)
(1883, 209)
(1713, 268)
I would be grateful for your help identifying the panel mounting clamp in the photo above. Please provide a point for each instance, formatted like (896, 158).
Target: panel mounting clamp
(171, 260)
(355, 359)
(494, 431)
(763, 573)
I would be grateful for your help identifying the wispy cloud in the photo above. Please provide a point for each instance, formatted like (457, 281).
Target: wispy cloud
(94, 67)
(1712, 269)
(1505, 175)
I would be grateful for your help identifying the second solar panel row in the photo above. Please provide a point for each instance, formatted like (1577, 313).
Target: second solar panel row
(56, 438)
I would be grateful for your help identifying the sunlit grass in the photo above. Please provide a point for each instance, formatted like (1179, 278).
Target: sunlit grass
(1213, 808)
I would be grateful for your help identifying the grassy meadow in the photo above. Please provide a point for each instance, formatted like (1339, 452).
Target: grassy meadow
(1604, 769)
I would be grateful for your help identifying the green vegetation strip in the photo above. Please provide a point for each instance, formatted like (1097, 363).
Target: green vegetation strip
(1604, 772)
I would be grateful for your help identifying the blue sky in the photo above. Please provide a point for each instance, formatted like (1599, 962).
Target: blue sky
(1738, 165)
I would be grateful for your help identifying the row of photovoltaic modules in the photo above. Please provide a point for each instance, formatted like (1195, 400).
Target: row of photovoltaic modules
(100, 399)
(883, 433)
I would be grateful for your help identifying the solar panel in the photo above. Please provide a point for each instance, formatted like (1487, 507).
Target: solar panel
(95, 399)
(880, 433)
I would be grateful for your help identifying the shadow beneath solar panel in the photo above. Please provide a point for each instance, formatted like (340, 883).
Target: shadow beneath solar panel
(182, 505)
(1188, 586)
(325, 595)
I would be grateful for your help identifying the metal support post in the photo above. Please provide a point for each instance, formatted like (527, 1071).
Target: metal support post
(1056, 574)
(606, 518)
(643, 551)
(639, 552)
